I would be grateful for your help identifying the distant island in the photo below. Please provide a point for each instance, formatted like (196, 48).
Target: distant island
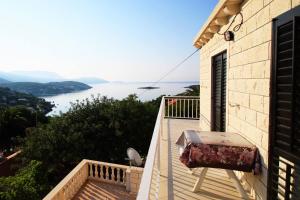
(46, 89)
(148, 88)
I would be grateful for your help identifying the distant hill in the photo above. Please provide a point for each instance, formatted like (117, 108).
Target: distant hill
(31, 76)
(12, 98)
(91, 80)
(44, 77)
(192, 90)
(46, 89)
(2, 80)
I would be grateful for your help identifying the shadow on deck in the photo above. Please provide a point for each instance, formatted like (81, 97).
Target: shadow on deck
(176, 182)
(100, 190)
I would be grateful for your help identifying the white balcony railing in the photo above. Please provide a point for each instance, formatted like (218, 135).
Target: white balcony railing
(134, 179)
(123, 175)
(182, 107)
(107, 172)
(153, 158)
(178, 107)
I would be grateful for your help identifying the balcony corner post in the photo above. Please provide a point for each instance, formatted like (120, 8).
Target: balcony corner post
(86, 170)
(128, 180)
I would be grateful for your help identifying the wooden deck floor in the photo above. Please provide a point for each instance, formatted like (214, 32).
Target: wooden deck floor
(93, 190)
(176, 182)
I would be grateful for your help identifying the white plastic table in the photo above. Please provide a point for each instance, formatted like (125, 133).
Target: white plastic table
(194, 145)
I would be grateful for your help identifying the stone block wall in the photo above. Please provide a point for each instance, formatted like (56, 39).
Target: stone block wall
(248, 80)
(133, 176)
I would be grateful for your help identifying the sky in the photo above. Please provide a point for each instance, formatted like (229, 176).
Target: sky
(118, 40)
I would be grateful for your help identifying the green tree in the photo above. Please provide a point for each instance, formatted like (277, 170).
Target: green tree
(98, 129)
(192, 90)
(13, 122)
(29, 183)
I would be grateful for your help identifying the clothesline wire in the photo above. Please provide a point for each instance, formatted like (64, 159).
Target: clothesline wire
(169, 72)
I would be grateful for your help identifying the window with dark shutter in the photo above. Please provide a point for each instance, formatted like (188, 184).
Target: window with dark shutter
(219, 92)
(284, 148)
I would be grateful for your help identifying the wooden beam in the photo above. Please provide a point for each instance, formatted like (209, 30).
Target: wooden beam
(208, 35)
(219, 17)
(213, 29)
(230, 2)
(204, 40)
(232, 9)
(198, 44)
(221, 13)
(221, 21)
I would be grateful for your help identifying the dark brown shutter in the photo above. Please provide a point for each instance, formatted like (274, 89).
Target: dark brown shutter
(296, 130)
(219, 92)
(284, 148)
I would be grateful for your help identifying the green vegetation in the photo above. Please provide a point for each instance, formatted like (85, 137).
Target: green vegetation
(28, 183)
(46, 89)
(13, 123)
(99, 129)
(192, 90)
(10, 98)
(18, 112)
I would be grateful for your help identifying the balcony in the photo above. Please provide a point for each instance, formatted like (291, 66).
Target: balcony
(164, 176)
(98, 180)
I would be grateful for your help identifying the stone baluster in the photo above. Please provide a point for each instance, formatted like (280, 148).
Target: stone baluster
(108, 173)
(113, 174)
(101, 172)
(96, 171)
(124, 176)
(118, 175)
(91, 170)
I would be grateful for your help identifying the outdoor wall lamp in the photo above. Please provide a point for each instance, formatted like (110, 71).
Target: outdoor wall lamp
(229, 36)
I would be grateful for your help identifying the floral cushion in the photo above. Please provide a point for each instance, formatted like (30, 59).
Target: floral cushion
(207, 149)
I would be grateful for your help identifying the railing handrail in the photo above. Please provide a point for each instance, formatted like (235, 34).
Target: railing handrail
(182, 107)
(145, 186)
(58, 191)
(144, 190)
(182, 97)
(108, 164)
(53, 193)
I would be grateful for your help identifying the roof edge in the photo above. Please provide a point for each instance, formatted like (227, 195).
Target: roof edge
(218, 18)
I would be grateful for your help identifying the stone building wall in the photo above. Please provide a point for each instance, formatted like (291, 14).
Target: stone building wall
(248, 80)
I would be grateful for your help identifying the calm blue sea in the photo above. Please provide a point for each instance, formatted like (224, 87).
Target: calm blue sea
(117, 91)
